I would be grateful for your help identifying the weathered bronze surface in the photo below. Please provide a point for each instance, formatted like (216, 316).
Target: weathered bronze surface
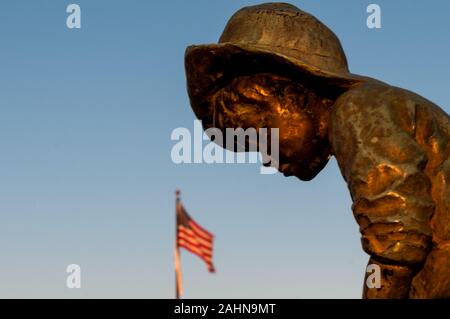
(276, 66)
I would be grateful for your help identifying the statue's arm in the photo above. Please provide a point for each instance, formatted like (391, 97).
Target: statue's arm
(372, 135)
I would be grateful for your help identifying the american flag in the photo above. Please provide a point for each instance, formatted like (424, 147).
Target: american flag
(193, 237)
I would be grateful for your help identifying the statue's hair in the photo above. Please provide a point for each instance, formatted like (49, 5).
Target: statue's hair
(255, 96)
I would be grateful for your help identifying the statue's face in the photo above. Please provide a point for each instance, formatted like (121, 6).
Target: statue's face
(270, 101)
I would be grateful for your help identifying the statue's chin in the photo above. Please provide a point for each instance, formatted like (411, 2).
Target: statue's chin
(306, 177)
(302, 173)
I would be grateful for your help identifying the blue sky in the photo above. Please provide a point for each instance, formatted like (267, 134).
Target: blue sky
(85, 170)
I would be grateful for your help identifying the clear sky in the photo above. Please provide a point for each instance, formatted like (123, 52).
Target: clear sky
(85, 170)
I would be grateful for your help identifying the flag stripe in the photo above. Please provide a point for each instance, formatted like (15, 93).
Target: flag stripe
(207, 261)
(200, 230)
(187, 245)
(190, 233)
(194, 249)
(192, 242)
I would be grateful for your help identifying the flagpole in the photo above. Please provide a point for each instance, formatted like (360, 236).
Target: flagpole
(177, 250)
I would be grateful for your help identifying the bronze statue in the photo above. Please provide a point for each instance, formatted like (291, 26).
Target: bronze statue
(277, 66)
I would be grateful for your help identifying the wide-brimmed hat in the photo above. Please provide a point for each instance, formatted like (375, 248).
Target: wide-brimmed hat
(270, 38)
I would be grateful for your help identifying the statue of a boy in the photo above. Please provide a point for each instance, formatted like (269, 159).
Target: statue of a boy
(278, 67)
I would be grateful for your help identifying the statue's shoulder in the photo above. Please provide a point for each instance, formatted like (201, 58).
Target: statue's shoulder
(374, 102)
(378, 101)
(373, 94)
